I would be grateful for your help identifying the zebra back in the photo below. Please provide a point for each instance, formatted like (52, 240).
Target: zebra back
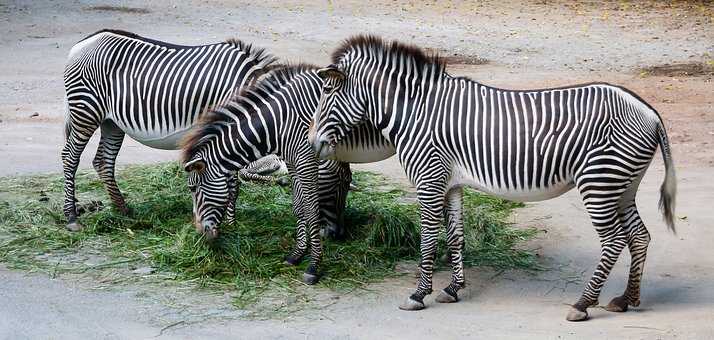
(154, 90)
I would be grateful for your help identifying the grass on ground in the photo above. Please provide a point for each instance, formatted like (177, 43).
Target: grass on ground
(382, 226)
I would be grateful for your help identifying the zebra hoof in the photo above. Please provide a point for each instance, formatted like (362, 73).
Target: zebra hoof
(310, 279)
(618, 305)
(445, 297)
(576, 315)
(411, 304)
(74, 226)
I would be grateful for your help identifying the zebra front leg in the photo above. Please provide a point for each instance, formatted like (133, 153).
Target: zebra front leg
(76, 141)
(431, 202)
(105, 162)
(637, 242)
(455, 243)
(334, 185)
(300, 248)
(342, 192)
(306, 192)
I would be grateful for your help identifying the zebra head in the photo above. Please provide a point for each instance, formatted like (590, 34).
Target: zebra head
(211, 190)
(338, 112)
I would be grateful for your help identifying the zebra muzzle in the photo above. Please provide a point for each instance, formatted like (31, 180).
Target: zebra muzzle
(209, 229)
(323, 147)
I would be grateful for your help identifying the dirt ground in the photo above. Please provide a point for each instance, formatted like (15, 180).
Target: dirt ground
(663, 51)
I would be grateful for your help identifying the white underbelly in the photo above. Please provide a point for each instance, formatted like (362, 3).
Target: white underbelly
(358, 155)
(461, 177)
(157, 139)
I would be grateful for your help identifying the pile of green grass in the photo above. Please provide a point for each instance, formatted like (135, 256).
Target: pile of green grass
(382, 230)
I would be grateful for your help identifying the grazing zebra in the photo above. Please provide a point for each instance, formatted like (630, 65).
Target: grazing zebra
(527, 145)
(272, 117)
(153, 91)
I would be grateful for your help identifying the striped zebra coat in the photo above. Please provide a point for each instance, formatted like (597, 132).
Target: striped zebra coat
(155, 92)
(273, 117)
(524, 145)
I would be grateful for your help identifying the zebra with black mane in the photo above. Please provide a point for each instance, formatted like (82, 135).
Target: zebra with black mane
(523, 145)
(155, 91)
(273, 116)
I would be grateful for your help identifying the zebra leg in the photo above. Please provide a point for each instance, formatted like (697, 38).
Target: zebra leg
(105, 162)
(233, 190)
(333, 199)
(431, 202)
(455, 243)
(601, 197)
(307, 191)
(300, 248)
(342, 191)
(327, 181)
(247, 175)
(77, 138)
(637, 241)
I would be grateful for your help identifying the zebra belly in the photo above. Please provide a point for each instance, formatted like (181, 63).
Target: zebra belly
(156, 139)
(362, 155)
(461, 177)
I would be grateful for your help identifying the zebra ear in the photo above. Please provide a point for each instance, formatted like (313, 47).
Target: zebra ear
(197, 164)
(330, 72)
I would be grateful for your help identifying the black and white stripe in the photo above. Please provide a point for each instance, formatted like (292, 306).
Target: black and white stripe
(273, 117)
(151, 90)
(525, 145)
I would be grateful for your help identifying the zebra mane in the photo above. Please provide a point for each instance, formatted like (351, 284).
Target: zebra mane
(275, 77)
(261, 57)
(208, 125)
(393, 49)
(212, 122)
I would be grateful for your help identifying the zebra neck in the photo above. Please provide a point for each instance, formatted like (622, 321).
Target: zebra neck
(251, 137)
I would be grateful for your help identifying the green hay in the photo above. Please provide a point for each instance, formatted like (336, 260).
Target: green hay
(248, 257)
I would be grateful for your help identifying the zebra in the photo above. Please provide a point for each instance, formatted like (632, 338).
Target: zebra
(522, 145)
(272, 116)
(153, 91)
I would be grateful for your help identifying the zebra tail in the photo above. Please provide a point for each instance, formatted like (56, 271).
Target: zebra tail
(668, 190)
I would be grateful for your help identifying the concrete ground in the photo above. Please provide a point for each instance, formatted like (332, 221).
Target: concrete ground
(527, 44)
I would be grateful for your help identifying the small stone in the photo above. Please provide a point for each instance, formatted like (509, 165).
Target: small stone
(144, 270)
(36, 114)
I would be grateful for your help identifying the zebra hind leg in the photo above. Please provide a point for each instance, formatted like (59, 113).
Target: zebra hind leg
(637, 242)
(455, 243)
(601, 197)
(105, 163)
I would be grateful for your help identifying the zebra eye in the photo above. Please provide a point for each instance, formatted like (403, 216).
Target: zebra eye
(327, 89)
(192, 188)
